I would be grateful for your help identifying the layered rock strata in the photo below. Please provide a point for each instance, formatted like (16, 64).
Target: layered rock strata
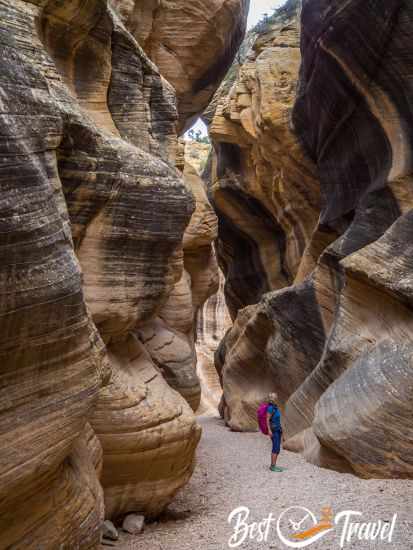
(313, 184)
(265, 190)
(212, 318)
(170, 337)
(95, 242)
(196, 60)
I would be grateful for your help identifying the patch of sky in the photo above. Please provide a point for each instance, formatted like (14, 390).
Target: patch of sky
(258, 10)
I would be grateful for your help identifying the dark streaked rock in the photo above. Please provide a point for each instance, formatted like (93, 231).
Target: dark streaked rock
(336, 343)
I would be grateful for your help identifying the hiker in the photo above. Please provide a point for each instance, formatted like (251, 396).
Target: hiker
(274, 430)
(269, 423)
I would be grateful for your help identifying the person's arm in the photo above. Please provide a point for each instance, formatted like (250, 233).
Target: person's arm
(269, 424)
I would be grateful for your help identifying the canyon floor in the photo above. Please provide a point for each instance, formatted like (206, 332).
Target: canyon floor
(232, 471)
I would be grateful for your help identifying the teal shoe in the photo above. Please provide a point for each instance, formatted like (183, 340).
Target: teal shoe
(276, 469)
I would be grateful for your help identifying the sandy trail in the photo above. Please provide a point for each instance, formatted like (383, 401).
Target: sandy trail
(232, 471)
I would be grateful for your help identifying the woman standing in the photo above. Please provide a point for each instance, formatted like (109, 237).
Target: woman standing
(274, 430)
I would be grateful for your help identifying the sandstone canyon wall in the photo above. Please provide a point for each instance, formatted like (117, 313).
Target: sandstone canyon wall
(213, 319)
(196, 60)
(312, 184)
(101, 241)
(170, 336)
(212, 324)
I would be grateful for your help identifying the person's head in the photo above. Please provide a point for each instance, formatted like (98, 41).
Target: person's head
(272, 398)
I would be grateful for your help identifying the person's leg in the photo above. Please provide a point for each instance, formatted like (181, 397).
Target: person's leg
(275, 449)
(276, 445)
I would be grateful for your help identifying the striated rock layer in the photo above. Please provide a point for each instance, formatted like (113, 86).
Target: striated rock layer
(265, 190)
(193, 44)
(51, 353)
(313, 190)
(169, 338)
(102, 242)
(212, 318)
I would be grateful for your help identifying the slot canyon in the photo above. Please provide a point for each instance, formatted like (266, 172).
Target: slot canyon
(158, 284)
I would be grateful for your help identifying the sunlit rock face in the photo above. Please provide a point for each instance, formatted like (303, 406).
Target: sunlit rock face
(103, 244)
(211, 318)
(196, 155)
(264, 188)
(212, 324)
(193, 44)
(320, 296)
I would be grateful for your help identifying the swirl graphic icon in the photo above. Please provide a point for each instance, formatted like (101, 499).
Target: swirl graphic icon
(297, 526)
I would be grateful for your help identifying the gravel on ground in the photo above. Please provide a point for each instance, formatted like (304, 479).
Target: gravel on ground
(233, 470)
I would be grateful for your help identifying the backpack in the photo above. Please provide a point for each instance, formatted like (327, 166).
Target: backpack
(262, 418)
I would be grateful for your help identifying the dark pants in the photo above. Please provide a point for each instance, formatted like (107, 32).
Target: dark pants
(276, 442)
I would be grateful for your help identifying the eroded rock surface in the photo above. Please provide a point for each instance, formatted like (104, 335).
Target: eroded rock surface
(212, 324)
(192, 43)
(51, 353)
(265, 190)
(101, 240)
(170, 337)
(314, 193)
(196, 155)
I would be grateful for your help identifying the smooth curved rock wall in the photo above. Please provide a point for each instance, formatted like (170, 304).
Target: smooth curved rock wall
(321, 313)
(194, 61)
(95, 241)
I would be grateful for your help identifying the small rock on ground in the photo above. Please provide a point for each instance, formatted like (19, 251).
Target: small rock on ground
(133, 524)
(109, 531)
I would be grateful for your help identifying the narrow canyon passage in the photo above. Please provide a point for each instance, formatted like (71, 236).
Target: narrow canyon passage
(232, 471)
(204, 203)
